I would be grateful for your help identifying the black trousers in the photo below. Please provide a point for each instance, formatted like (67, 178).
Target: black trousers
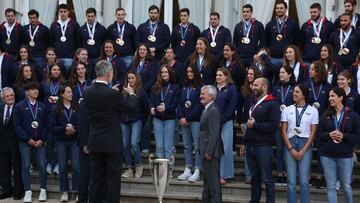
(84, 162)
(105, 176)
(212, 188)
(11, 160)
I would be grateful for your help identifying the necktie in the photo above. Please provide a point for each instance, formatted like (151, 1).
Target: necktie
(7, 115)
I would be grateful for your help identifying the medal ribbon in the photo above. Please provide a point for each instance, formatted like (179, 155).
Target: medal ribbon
(299, 116)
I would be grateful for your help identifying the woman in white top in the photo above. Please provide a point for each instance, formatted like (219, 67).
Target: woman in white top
(298, 128)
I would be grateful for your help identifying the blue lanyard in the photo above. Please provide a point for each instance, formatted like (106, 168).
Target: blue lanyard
(338, 122)
(188, 93)
(283, 97)
(166, 92)
(153, 27)
(68, 117)
(54, 89)
(280, 26)
(299, 116)
(81, 88)
(183, 33)
(247, 27)
(33, 114)
(316, 96)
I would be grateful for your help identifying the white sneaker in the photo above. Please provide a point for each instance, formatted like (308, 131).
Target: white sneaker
(195, 177)
(64, 197)
(49, 169)
(27, 197)
(42, 195)
(186, 175)
(56, 169)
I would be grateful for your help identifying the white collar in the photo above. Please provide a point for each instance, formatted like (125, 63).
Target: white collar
(101, 81)
(207, 105)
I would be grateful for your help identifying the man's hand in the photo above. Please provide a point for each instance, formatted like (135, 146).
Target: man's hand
(242, 150)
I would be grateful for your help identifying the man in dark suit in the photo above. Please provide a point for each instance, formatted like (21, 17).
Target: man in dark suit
(6, 72)
(9, 149)
(105, 144)
(210, 145)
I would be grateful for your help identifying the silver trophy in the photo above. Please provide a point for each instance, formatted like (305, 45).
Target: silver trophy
(161, 170)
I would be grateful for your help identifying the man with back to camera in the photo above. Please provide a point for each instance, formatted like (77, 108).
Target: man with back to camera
(105, 143)
(210, 145)
(264, 119)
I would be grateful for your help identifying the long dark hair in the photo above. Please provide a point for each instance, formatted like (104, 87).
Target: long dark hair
(331, 58)
(298, 56)
(60, 103)
(20, 81)
(74, 76)
(138, 84)
(148, 56)
(289, 70)
(50, 77)
(102, 51)
(304, 91)
(207, 55)
(159, 80)
(321, 71)
(235, 56)
(340, 93)
(245, 88)
(18, 58)
(197, 77)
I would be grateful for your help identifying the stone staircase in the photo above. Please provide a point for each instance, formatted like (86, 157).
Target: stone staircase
(141, 190)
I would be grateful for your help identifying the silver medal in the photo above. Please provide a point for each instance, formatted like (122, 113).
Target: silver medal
(63, 38)
(34, 124)
(32, 43)
(187, 104)
(91, 42)
(213, 44)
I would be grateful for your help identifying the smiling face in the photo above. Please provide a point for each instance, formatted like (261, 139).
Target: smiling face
(324, 53)
(283, 75)
(51, 56)
(220, 78)
(190, 73)
(169, 54)
(83, 56)
(142, 51)
(109, 49)
(228, 53)
(313, 74)
(298, 95)
(250, 76)
(165, 75)
(24, 55)
(80, 70)
(290, 54)
(55, 72)
(68, 95)
(27, 73)
(200, 47)
(334, 99)
(343, 82)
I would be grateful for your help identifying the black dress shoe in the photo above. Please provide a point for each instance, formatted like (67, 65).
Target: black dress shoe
(18, 197)
(5, 195)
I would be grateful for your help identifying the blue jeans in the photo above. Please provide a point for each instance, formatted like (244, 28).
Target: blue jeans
(191, 135)
(40, 61)
(277, 62)
(259, 159)
(338, 169)
(25, 151)
(164, 137)
(146, 133)
(63, 149)
(51, 157)
(127, 60)
(131, 133)
(301, 169)
(279, 152)
(227, 159)
(67, 64)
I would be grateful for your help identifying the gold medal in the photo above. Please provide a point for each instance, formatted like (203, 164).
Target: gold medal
(279, 37)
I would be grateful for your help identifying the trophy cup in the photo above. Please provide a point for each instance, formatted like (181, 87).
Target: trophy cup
(161, 169)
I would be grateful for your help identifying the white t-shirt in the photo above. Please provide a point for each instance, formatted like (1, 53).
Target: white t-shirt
(310, 117)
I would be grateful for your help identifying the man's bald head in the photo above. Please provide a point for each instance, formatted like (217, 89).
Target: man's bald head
(260, 87)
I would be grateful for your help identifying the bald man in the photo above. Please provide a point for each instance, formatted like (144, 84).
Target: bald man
(264, 119)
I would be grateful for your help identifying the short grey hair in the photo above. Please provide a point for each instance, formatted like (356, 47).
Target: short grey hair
(211, 90)
(102, 67)
(6, 89)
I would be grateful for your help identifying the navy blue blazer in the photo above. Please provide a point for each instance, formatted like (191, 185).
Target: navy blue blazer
(41, 39)
(170, 100)
(100, 36)
(193, 113)
(15, 37)
(59, 122)
(7, 74)
(223, 35)
(227, 102)
(23, 119)
(128, 49)
(162, 35)
(256, 36)
(65, 49)
(312, 50)
(182, 52)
